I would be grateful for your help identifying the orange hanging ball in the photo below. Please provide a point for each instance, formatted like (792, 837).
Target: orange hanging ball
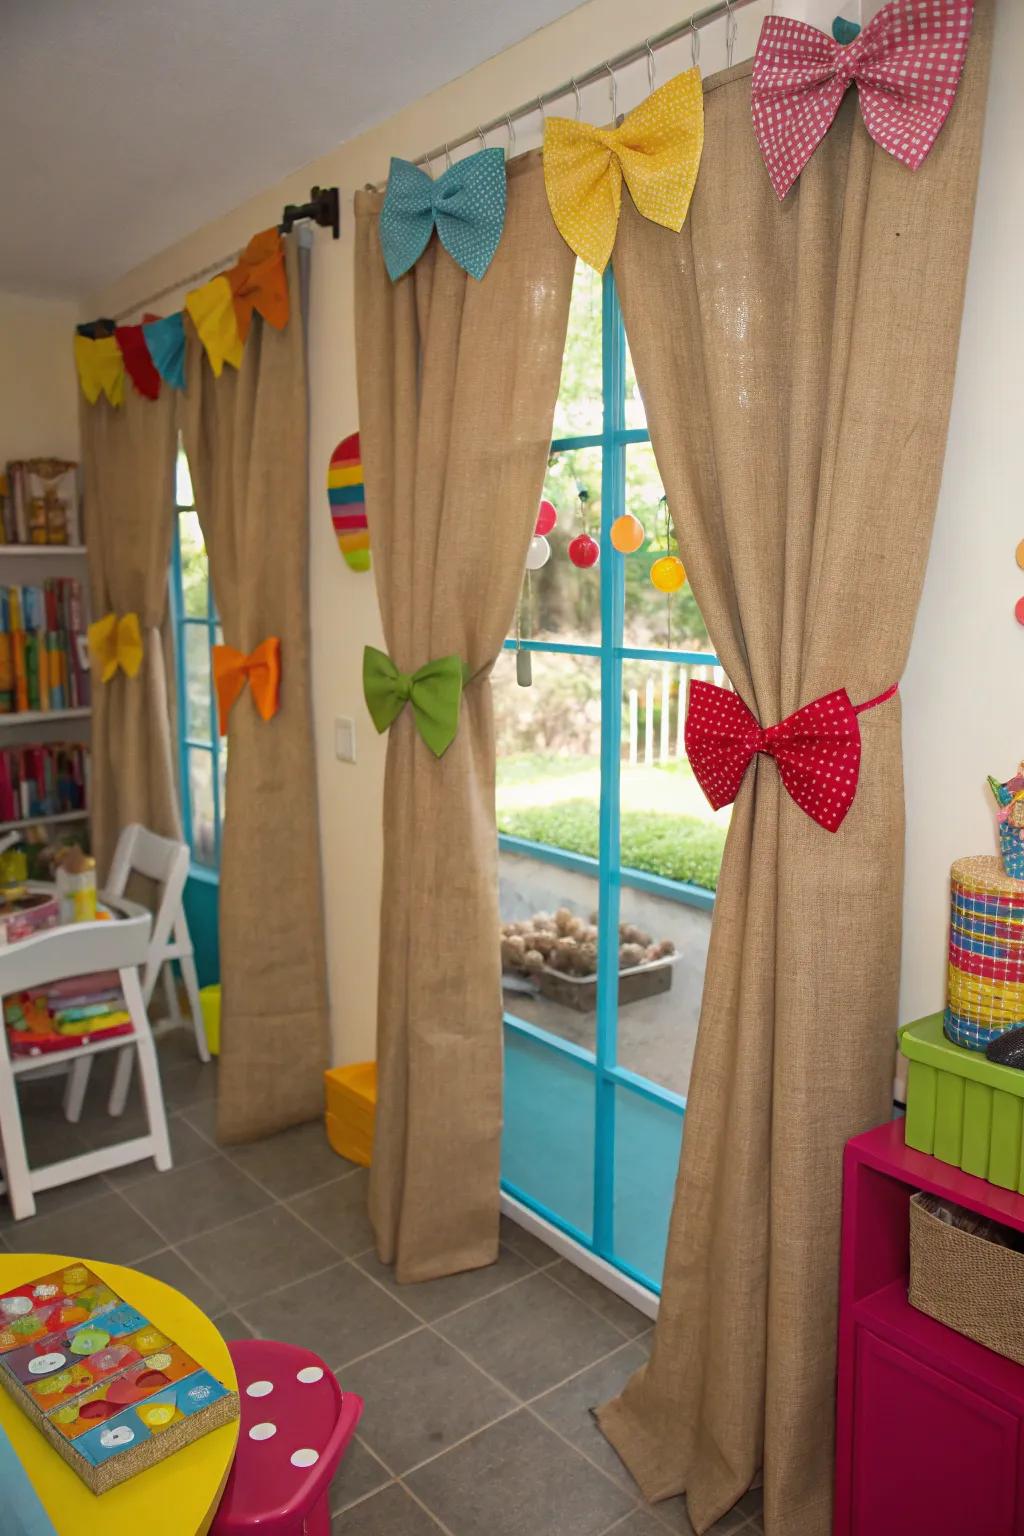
(627, 533)
(668, 573)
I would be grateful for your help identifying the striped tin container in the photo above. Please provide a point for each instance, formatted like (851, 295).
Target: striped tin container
(985, 989)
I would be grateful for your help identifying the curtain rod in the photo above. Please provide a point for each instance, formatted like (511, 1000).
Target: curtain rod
(322, 209)
(597, 72)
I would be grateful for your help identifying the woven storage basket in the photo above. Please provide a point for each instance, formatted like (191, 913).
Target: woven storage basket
(973, 1286)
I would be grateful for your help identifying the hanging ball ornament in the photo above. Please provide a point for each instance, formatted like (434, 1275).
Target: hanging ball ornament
(668, 573)
(627, 534)
(584, 551)
(547, 517)
(539, 552)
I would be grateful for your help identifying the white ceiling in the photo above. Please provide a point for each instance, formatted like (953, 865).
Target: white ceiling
(126, 124)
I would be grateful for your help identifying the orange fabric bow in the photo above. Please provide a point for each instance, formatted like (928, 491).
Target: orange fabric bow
(259, 281)
(262, 667)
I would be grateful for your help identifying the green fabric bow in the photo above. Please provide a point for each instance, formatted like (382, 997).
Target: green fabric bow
(434, 692)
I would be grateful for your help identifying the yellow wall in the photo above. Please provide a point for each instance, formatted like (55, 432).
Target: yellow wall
(38, 394)
(962, 679)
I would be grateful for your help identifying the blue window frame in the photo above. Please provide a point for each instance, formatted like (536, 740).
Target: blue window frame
(566, 1103)
(202, 752)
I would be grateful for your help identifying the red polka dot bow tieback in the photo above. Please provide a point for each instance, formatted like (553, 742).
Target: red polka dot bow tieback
(906, 64)
(817, 748)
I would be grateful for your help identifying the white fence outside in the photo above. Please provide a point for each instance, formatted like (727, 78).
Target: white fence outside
(669, 743)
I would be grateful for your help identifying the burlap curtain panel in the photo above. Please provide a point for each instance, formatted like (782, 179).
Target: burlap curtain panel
(796, 361)
(246, 438)
(457, 387)
(128, 456)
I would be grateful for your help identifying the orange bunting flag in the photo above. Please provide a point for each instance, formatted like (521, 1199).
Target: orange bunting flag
(262, 669)
(259, 282)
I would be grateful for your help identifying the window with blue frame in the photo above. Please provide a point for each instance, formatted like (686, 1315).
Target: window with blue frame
(202, 751)
(609, 853)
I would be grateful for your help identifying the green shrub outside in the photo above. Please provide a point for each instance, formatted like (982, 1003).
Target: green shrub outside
(676, 847)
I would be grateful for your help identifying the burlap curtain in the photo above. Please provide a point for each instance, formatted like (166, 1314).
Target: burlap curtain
(457, 387)
(246, 438)
(128, 458)
(796, 362)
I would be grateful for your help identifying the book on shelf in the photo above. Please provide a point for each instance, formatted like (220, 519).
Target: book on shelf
(44, 779)
(41, 502)
(43, 653)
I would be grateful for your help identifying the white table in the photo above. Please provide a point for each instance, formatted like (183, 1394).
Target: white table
(120, 944)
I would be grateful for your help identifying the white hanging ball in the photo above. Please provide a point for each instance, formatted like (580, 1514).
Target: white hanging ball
(539, 552)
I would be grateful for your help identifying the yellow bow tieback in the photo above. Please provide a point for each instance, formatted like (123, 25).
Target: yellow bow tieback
(657, 148)
(116, 642)
(262, 669)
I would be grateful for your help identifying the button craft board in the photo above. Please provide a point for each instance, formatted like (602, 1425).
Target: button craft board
(107, 1388)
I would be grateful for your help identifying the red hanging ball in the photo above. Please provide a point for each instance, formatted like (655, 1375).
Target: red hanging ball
(584, 551)
(547, 517)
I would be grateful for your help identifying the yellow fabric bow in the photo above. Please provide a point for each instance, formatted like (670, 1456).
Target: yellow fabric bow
(100, 368)
(262, 668)
(657, 147)
(116, 642)
(212, 308)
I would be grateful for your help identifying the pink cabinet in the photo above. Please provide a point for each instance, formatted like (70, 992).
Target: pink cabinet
(930, 1426)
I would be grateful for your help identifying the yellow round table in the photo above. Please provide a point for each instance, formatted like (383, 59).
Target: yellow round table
(176, 1497)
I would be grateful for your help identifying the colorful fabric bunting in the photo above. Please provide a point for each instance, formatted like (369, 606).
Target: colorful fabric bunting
(259, 281)
(657, 148)
(466, 205)
(212, 308)
(165, 343)
(100, 368)
(137, 361)
(906, 63)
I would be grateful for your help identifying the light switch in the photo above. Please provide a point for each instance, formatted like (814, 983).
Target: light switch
(345, 740)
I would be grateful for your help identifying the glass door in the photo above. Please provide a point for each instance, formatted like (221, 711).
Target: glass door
(608, 852)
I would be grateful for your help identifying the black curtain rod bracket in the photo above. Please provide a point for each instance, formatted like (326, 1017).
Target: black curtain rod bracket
(323, 208)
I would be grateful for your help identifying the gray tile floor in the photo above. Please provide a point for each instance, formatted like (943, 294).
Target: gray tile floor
(478, 1388)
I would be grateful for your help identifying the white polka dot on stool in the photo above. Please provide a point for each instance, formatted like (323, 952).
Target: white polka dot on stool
(310, 1373)
(305, 1458)
(259, 1389)
(262, 1431)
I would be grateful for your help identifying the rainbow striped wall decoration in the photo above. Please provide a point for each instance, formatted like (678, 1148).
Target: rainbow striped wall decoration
(346, 495)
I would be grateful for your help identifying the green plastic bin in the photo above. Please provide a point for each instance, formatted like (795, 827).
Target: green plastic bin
(963, 1108)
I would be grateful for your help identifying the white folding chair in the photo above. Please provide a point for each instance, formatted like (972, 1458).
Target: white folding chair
(166, 862)
(119, 944)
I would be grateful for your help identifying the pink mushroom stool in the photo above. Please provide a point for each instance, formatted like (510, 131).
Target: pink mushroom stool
(296, 1424)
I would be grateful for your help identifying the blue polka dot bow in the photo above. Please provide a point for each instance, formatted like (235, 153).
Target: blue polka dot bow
(466, 204)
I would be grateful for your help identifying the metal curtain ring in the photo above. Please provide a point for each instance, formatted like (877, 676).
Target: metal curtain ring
(576, 93)
(511, 135)
(447, 157)
(481, 136)
(694, 44)
(650, 64)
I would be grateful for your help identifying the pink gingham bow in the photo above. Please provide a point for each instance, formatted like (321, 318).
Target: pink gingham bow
(906, 63)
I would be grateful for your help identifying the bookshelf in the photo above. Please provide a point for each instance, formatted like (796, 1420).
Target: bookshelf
(39, 551)
(42, 716)
(42, 821)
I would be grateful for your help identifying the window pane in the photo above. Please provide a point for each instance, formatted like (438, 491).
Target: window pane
(562, 601)
(200, 785)
(580, 411)
(549, 741)
(668, 830)
(654, 618)
(636, 416)
(183, 481)
(647, 1141)
(547, 1148)
(197, 681)
(194, 566)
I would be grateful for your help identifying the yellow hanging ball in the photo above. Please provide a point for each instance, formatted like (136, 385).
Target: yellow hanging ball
(627, 533)
(668, 573)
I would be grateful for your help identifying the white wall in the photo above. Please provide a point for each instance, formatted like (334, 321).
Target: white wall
(963, 690)
(343, 605)
(38, 390)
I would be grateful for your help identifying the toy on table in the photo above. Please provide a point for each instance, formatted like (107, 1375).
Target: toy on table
(76, 885)
(985, 993)
(106, 1387)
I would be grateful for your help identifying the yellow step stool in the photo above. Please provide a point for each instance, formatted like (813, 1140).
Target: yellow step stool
(351, 1107)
